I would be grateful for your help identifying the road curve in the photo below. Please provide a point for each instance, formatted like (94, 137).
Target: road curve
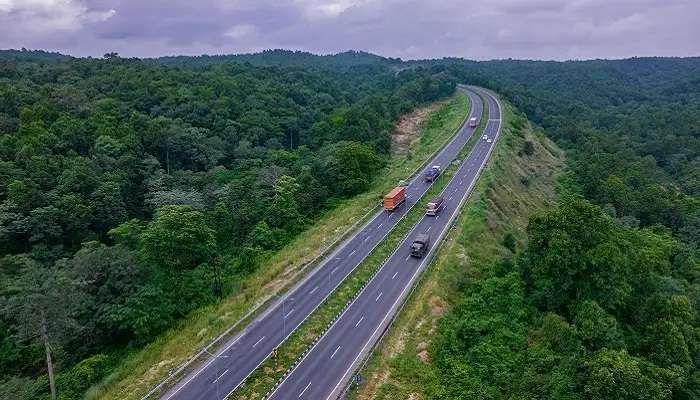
(326, 369)
(235, 360)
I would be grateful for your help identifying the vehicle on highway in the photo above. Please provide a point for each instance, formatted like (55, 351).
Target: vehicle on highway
(395, 198)
(434, 206)
(489, 140)
(432, 173)
(472, 122)
(403, 183)
(420, 245)
(485, 137)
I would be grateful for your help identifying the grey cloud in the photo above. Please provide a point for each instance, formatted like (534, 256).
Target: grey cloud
(477, 29)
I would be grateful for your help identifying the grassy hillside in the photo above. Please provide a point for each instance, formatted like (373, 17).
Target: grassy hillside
(518, 181)
(145, 368)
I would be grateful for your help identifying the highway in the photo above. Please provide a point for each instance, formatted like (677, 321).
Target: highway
(235, 360)
(326, 369)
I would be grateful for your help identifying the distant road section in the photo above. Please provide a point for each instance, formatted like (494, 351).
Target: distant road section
(234, 361)
(327, 368)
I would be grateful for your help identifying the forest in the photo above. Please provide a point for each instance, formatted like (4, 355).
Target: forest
(133, 192)
(602, 300)
(102, 160)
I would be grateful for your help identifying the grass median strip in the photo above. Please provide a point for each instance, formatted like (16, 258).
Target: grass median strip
(271, 371)
(143, 368)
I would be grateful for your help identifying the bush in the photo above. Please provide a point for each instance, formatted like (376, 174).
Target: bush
(509, 242)
(528, 148)
(74, 382)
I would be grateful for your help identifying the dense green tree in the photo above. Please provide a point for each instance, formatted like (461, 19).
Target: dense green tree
(41, 302)
(596, 328)
(107, 276)
(574, 336)
(576, 253)
(283, 210)
(616, 374)
(178, 238)
(347, 167)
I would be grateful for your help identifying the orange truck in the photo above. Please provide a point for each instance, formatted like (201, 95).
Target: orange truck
(395, 198)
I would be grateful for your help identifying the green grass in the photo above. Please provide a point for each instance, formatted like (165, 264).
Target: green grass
(142, 369)
(501, 203)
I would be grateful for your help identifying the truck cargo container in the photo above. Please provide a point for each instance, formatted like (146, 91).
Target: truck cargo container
(472, 122)
(395, 198)
(420, 245)
(434, 206)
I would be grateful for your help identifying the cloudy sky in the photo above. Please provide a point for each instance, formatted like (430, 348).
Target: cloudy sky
(475, 29)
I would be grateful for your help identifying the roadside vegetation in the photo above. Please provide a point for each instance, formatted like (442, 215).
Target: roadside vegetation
(271, 371)
(519, 180)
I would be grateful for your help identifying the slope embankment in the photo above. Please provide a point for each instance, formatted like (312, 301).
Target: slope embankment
(520, 180)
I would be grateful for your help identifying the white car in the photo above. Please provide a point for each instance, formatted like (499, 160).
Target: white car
(488, 140)
(484, 137)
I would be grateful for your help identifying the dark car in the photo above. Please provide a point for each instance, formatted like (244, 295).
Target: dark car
(432, 173)
(420, 245)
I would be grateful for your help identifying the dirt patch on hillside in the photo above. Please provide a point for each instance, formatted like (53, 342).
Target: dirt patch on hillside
(408, 129)
(422, 349)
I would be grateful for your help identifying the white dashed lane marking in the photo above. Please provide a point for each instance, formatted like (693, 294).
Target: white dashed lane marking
(336, 350)
(260, 340)
(302, 392)
(222, 374)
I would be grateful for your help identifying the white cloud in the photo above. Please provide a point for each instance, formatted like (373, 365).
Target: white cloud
(240, 31)
(50, 15)
(328, 8)
(479, 29)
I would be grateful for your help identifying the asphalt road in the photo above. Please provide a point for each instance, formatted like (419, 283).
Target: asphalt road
(229, 366)
(327, 368)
